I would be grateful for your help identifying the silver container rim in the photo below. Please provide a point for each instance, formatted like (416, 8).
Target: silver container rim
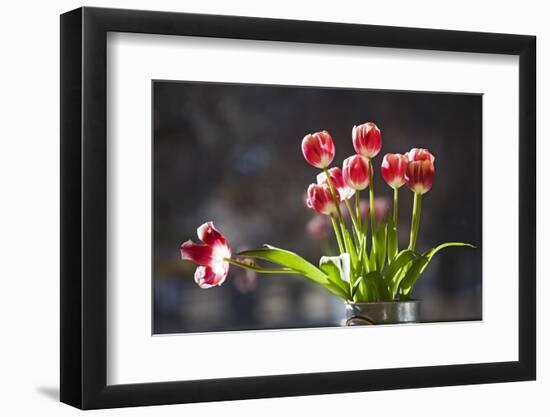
(383, 302)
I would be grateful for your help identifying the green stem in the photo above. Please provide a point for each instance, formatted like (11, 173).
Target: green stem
(415, 222)
(260, 269)
(356, 228)
(395, 206)
(337, 233)
(358, 209)
(371, 208)
(395, 220)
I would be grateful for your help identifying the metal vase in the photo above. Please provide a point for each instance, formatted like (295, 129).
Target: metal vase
(393, 312)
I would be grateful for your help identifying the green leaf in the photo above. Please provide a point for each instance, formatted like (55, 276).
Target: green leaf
(357, 289)
(372, 259)
(412, 275)
(337, 269)
(393, 272)
(392, 240)
(381, 235)
(371, 288)
(351, 249)
(381, 287)
(290, 260)
(337, 290)
(420, 264)
(433, 251)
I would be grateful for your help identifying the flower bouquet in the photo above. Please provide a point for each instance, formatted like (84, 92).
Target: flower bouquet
(371, 273)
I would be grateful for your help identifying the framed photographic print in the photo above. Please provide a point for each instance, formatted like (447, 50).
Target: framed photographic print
(257, 208)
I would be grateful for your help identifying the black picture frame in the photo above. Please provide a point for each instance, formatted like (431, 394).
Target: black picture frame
(83, 207)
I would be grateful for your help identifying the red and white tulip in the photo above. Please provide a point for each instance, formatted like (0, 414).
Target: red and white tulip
(356, 172)
(394, 168)
(318, 149)
(210, 256)
(420, 170)
(319, 198)
(337, 178)
(367, 139)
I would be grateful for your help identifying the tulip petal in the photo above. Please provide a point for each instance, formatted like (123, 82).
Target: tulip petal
(208, 277)
(200, 254)
(210, 235)
(420, 154)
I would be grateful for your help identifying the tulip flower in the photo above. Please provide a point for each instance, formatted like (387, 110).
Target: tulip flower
(319, 198)
(419, 176)
(318, 149)
(394, 167)
(356, 172)
(211, 256)
(337, 178)
(420, 170)
(367, 139)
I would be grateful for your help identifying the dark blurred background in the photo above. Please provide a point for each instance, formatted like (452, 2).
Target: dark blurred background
(230, 153)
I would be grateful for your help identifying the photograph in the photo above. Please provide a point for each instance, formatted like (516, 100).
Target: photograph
(292, 207)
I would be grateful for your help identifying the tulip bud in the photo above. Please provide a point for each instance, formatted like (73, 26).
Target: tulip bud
(420, 170)
(337, 179)
(356, 172)
(318, 149)
(367, 139)
(394, 167)
(319, 198)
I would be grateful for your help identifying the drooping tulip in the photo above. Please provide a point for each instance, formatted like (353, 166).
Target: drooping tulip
(367, 139)
(420, 170)
(210, 256)
(337, 179)
(356, 172)
(319, 198)
(318, 149)
(394, 168)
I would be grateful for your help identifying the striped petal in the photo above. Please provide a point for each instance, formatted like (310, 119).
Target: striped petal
(194, 252)
(210, 235)
(208, 277)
